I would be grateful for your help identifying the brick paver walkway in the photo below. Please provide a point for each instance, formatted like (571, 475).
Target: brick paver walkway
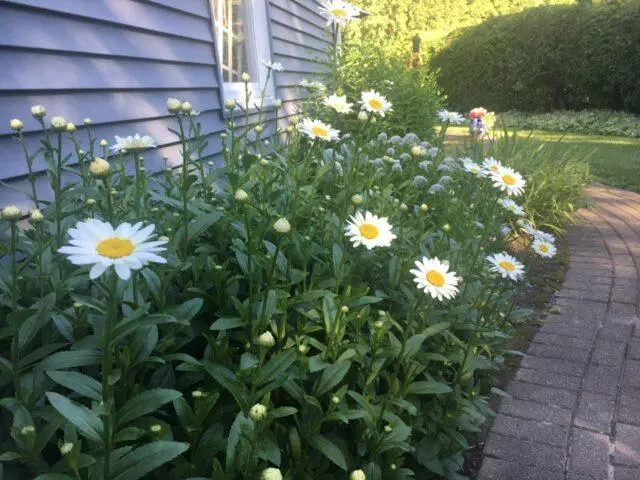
(575, 407)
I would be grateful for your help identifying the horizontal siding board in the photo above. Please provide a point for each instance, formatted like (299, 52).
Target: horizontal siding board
(286, 17)
(64, 33)
(132, 14)
(102, 107)
(302, 9)
(285, 32)
(288, 48)
(14, 163)
(42, 71)
(300, 64)
(193, 7)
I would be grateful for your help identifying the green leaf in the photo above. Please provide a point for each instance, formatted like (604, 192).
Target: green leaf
(32, 325)
(146, 402)
(332, 376)
(137, 463)
(329, 450)
(276, 366)
(239, 424)
(228, 381)
(130, 324)
(412, 346)
(435, 329)
(71, 359)
(153, 283)
(283, 412)
(428, 387)
(84, 419)
(202, 223)
(78, 382)
(366, 300)
(227, 323)
(90, 302)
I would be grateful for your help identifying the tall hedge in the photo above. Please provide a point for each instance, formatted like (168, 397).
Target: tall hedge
(554, 57)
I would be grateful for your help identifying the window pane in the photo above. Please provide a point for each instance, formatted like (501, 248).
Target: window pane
(231, 32)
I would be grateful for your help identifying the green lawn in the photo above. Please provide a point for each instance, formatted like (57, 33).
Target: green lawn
(613, 161)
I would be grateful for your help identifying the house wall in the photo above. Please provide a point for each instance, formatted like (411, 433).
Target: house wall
(117, 61)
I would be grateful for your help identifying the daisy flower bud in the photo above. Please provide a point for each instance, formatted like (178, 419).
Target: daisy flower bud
(155, 428)
(344, 309)
(103, 143)
(186, 107)
(266, 340)
(241, 196)
(173, 105)
(71, 127)
(404, 207)
(282, 226)
(197, 394)
(258, 412)
(223, 135)
(36, 216)
(374, 120)
(91, 201)
(81, 152)
(446, 227)
(11, 213)
(378, 324)
(335, 399)
(271, 474)
(16, 124)
(230, 104)
(357, 475)
(388, 428)
(77, 305)
(38, 111)
(289, 129)
(264, 162)
(381, 313)
(393, 466)
(87, 121)
(303, 348)
(278, 103)
(28, 430)
(99, 167)
(417, 151)
(66, 448)
(245, 77)
(357, 199)
(58, 123)
(363, 117)
(258, 128)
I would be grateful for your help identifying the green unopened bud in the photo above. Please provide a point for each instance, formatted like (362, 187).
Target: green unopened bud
(282, 226)
(66, 448)
(241, 196)
(258, 128)
(357, 199)
(404, 207)
(173, 105)
(424, 207)
(36, 216)
(446, 227)
(230, 104)
(335, 399)
(90, 201)
(103, 143)
(11, 213)
(357, 475)
(245, 77)
(38, 111)
(363, 117)
(378, 324)
(16, 124)
(58, 123)
(28, 430)
(155, 428)
(71, 127)
(344, 309)
(87, 121)
(266, 340)
(258, 412)
(99, 167)
(271, 473)
(186, 107)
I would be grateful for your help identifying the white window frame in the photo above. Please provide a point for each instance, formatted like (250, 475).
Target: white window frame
(257, 32)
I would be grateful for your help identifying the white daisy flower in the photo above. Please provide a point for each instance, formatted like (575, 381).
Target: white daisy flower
(338, 103)
(505, 230)
(133, 143)
(125, 248)
(450, 117)
(544, 249)
(434, 277)
(275, 66)
(506, 265)
(491, 165)
(535, 233)
(373, 102)
(369, 230)
(339, 12)
(512, 206)
(316, 129)
(313, 85)
(472, 167)
(509, 181)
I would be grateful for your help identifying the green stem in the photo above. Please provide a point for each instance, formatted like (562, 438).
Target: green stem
(136, 159)
(14, 266)
(107, 190)
(58, 193)
(32, 179)
(185, 189)
(107, 364)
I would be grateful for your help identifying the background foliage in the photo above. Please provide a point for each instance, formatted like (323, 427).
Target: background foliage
(563, 56)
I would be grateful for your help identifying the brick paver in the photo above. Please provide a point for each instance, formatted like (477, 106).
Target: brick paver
(575, 407)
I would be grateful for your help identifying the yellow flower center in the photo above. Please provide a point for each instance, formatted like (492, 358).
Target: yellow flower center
(544, 248)
(369, 231)
(375, 103)
(435, 278)
(339, 12)
(508, 179)
(319, 131)
(507, 265)
(115, 247)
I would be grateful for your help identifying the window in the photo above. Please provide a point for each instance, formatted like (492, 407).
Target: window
(242, 40)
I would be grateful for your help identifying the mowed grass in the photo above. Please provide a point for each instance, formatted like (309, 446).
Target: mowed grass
(613, 161)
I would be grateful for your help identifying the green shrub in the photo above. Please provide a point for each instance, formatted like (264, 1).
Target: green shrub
(557, 57)
(588, 122)
(413, 91)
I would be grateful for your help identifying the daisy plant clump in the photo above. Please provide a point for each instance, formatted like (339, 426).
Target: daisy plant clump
(290, 310)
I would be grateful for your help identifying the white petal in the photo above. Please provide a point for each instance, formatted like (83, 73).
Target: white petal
(123, 271)
(97, 270)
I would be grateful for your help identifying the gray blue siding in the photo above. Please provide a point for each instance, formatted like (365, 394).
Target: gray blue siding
(117, 61)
